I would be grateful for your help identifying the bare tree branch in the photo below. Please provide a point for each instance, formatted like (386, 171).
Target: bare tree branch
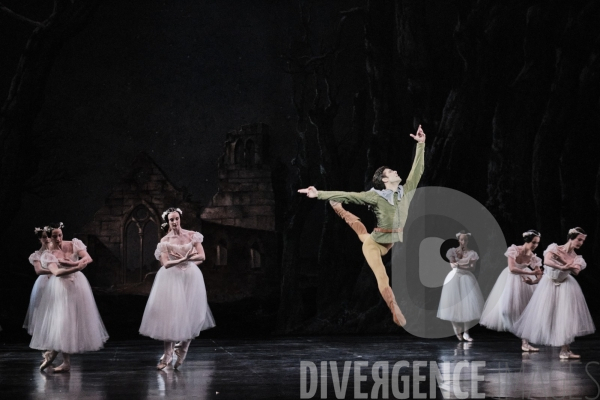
(19, 17)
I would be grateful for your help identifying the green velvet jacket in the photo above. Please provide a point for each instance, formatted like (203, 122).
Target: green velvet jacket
(391, 213)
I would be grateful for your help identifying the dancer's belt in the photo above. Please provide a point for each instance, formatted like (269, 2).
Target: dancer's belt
(386, 230)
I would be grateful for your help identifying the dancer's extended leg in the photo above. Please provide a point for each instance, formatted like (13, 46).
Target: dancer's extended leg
(373, 252)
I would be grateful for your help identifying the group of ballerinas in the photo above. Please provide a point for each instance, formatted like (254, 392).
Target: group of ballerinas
(542, 307)
(63, 317)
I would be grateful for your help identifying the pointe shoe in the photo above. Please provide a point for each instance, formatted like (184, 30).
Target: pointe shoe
(574, 356)
(45, 355)
(460, 336)
(528, 347)
(180, 353)
(467, 337)
(164, 362)
(390, 300)
(48, 361)
(62, 368)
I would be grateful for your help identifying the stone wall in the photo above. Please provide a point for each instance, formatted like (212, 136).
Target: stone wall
(245, 194)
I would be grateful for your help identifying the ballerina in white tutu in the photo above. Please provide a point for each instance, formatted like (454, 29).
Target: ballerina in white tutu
(461, 301)
(40, 282)
(557, 311)
(67, 320)
(177, 308)
(514, 287)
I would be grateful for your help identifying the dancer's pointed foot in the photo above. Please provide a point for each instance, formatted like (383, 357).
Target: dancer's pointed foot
(164, 361)
(528, 347)
(467, 337)
(49, 359)
(460, 336)
(180, 353)
(390, 300)
(348, 217)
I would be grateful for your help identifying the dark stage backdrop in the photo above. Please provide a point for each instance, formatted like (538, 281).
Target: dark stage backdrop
(507, 91)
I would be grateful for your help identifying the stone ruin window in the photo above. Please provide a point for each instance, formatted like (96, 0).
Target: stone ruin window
(256, 258)
(141, 238)
(221, 253)
(239, 152)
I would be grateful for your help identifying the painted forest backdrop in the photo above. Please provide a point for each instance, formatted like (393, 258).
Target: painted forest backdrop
(508, 93)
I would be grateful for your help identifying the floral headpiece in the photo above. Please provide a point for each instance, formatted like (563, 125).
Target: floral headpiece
(574, 230)
(166, 213)
(50, 229)
(460, 233)
(530, 233)
(38, 230)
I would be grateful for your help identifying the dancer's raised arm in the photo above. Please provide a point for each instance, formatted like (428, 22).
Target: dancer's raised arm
(416, 172)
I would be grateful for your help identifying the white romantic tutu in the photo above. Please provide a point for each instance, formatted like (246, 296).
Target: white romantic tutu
(67, 319)
(556, 314)
(177, 307)
(34, 300)
(506, 301)
(461, 299)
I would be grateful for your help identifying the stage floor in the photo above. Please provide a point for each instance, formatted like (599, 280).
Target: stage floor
(271, 369)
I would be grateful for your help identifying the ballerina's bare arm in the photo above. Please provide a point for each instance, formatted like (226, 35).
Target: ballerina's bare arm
(39, 270)
(198, 256)
(56, 270)
(556, 261)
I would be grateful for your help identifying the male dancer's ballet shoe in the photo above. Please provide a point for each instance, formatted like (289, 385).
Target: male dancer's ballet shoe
(348, 217)
(180, 353)
(390, 300)
(62, 368)
(48, 361)
(164, 362)
(467, 337)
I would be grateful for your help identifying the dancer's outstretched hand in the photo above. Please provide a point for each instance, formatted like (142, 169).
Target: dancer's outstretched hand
(310, 191)
(420, 135)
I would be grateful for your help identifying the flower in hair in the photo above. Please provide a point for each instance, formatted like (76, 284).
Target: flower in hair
(163, 225)
(166, 213)
(459, 233)
(37, 230)
(529, 233)
(574, 230)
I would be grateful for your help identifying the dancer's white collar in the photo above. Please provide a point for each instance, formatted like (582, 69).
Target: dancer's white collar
(388, 194)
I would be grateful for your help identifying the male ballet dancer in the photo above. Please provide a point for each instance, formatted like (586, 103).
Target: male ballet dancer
(389, 201)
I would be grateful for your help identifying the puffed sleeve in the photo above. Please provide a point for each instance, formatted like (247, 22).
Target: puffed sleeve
(512, 252)
(78, 245)
(35, 256)
(161, 248)
(473, 256)
(48, 258)
(581, 262)
(197, 237)
(553, 248)
(451, 254)
(536, 262)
